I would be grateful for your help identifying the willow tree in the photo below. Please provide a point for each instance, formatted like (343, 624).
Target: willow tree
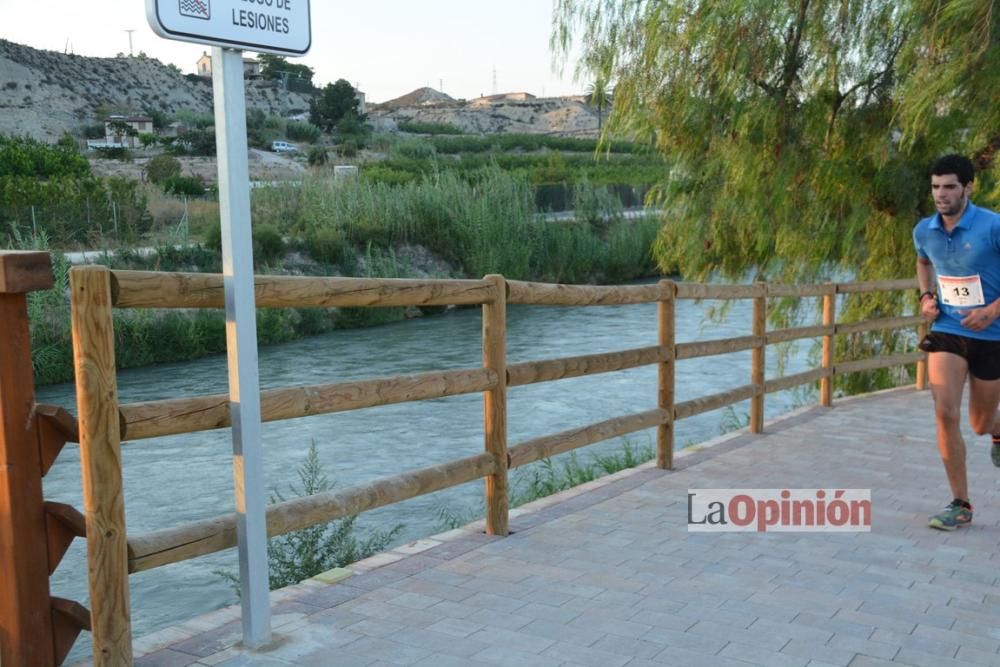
(797, 133)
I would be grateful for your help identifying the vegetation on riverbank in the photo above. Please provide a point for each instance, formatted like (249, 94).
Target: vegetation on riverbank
(461, 228)
(304, 553)
(550, 476)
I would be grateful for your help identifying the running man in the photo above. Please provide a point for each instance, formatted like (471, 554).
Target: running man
(958, 270)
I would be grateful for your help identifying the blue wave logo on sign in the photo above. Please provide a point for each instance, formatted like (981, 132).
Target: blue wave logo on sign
(196, 9)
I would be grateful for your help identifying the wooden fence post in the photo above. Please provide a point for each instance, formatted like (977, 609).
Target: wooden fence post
(829, 320)
(921, 383)
(757, 361)
(26, 628)
(100, 461)
(666, 313)
(495, 406)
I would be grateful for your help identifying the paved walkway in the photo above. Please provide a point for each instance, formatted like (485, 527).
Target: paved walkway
(608, 575)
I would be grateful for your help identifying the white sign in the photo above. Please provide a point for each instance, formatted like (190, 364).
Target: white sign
(281, 27)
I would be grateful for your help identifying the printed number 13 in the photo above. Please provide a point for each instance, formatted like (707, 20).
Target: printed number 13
(961, 291)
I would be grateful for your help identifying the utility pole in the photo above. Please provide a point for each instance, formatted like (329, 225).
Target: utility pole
(130, 42)
(494, 79)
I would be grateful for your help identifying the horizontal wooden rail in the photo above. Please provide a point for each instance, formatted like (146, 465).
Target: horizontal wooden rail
(565, 441)
(530, 372)
(801, 290)
(202, 413)
(789, 381)
(546, 294)
(709, 348)
(150, 289)
(878, 362)
(877, 286)
(798, 333)
(715, 401)
(707, 291)
(885, 323)
(207, 536)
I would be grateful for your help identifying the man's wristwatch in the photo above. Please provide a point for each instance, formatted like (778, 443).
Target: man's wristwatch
(928, 293)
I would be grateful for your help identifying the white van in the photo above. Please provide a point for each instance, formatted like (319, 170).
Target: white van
(283, 147)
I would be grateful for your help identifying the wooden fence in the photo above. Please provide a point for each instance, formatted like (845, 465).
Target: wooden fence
(103, 423)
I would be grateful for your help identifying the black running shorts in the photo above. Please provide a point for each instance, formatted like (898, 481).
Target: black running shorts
(983, 356)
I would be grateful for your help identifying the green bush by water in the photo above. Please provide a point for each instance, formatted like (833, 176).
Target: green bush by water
(305, 553)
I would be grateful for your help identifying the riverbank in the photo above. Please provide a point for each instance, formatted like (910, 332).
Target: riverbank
(150, 336)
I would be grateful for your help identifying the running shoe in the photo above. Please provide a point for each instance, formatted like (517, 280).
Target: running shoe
(954, 515)
(995, 451)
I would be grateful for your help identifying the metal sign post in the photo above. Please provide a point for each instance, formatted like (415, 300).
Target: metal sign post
(241, 342)
(281, 27)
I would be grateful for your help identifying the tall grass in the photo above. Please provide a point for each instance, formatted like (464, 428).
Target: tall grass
(489, 224)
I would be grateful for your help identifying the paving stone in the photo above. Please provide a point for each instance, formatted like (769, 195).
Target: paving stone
(815, 651)
(914, 643)
(582, 655)
(512, 657)
(386, 650)
(761, 656)
(600, 623)
(611, 570)
(166, 658)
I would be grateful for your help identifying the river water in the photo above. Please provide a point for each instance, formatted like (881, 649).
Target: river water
(171, 480)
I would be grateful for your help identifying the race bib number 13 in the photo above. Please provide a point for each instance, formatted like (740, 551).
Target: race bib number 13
(961, 290)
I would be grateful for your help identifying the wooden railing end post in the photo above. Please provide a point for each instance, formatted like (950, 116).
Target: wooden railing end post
(495, 407)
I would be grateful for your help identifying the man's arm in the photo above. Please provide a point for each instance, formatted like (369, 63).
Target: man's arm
(925, 275)
(925, 279)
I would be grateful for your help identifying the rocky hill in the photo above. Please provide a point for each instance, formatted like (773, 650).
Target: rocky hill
(46, 93)
(509, 112)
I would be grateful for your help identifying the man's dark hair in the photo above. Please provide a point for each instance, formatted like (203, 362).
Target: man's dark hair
(956, 164)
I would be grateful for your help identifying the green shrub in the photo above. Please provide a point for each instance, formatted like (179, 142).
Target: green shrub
(162, 167)
(348, 148)
(114, 153)
(26, 157)
(197, 119)
(428, 128)
(199, 142)
(379, 173)
(268, 246)
(212, 237)
(595, 205)
(329, 245)
(184, 185)
(414, 148)
(310, 551)
(299, 131)
(275, 325)
(317, 156)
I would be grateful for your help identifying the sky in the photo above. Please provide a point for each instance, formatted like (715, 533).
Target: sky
(386, 48)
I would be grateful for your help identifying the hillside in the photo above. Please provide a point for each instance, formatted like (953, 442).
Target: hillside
(46, 93)
(504, 113)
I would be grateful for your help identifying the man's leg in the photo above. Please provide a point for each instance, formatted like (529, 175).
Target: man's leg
(947, 372)
(984, 398)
